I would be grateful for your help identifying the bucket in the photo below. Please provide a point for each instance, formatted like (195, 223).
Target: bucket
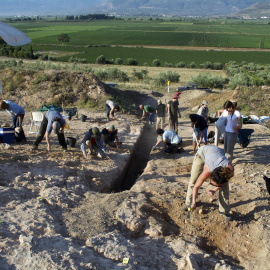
(83, 117)
(71, 141)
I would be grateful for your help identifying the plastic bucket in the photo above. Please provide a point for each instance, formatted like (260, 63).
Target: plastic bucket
(71, 141)
(83, 117)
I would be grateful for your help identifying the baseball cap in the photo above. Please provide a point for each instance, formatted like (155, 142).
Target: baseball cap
(175, 96)
(95, 133)
(111, 127)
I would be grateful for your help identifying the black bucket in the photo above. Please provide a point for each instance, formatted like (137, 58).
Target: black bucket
(71, 141)
(83, 117)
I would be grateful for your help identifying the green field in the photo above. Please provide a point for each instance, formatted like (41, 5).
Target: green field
(215, 34)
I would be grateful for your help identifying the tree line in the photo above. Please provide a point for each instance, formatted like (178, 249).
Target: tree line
(89, 17)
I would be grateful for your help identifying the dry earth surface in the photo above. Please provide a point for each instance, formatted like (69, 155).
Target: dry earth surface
(60, 211)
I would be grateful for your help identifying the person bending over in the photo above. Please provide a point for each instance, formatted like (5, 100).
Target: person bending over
(171, 141)
(210, 163)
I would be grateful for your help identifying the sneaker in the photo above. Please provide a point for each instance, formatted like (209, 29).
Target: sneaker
(227, 217)
(64, 148)
(34, 147)
(180, 150)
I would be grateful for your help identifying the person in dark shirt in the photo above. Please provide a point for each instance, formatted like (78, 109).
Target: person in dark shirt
(109, 136)
(160, 111)
(173, 112)
(199, 125)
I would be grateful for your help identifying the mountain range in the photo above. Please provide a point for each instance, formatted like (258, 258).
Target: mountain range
(123, 7)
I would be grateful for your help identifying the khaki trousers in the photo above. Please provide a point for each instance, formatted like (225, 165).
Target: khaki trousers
(197, 168)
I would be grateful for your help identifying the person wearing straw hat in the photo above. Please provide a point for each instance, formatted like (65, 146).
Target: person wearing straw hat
(160, 111)
(92, 140)
(109, 136)
(173, 113)
(17, 112)
(52, 121)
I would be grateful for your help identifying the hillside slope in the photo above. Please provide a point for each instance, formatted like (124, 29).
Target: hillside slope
(258, 10)
(130, 7)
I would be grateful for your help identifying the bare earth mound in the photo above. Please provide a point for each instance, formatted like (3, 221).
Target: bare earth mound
(60, 211)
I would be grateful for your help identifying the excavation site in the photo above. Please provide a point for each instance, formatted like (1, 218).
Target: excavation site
(60, 210)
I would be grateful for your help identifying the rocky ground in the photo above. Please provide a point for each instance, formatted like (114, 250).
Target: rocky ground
(60, 211)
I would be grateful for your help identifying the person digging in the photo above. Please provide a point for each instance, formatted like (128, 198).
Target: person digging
(52, 121)
(92, 140)
(171, 141)
(109, 136)
(148, 110)
(17, 112)
(210, 163)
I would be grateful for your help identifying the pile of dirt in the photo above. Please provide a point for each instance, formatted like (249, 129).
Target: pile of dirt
(31, 89)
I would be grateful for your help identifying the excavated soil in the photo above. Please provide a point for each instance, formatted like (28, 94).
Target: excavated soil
(60, 211)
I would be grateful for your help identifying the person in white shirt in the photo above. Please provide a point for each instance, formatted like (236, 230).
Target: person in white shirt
(171, 141)
(111, 107)
(234, 123)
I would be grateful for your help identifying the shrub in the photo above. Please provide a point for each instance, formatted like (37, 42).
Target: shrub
(156, 63)
(76, 60)
(140, 75)
(111, 74)
(180, 64)
(218, 66)
(167, 64)
(101, 59)
(208, 81)
(131, 62)
(119, 61)
(207, 65)
(240, 79)
(192, 65)
(44, 57)
(160, 81)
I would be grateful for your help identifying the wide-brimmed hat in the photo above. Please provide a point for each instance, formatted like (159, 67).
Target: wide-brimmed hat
(175, 96)
(205, 102)
(95, 133)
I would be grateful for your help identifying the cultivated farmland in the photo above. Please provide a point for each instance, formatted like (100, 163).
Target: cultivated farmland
(88, 40)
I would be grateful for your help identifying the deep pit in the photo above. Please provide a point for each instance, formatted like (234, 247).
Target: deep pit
(138, 159)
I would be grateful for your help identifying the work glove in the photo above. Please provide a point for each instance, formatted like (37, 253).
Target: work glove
(18, 129)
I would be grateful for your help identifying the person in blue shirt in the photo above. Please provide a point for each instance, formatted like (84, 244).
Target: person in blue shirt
(171, 141)
(92, 140)
(52, 121)
(17, 112)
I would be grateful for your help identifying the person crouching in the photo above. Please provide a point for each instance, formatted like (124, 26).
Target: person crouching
(92, 140)
(109, 136)
(171, 141)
